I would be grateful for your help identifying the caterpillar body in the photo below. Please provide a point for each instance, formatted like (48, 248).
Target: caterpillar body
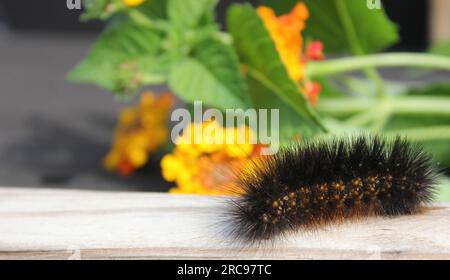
(309, 185)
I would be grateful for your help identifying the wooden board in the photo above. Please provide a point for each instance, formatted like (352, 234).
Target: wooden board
(72, 224)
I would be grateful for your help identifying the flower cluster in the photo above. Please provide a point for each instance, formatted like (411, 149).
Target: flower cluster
(133, 3)
(208, 167)
(141, 130)
(286, 33)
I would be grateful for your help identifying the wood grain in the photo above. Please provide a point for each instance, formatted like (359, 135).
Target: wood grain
(72, 224)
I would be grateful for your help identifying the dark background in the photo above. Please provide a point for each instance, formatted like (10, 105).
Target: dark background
(53, 15)
(54, 133)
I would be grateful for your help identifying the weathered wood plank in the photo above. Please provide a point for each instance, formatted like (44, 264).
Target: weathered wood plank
(63, 224)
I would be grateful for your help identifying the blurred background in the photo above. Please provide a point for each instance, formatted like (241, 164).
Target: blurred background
(55, 134)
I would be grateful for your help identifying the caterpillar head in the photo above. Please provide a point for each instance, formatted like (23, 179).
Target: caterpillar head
(260, 214)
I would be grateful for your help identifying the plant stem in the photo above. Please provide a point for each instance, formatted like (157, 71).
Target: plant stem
(383, 114)
(426, 105)
(377, 116)
(354, 85)
(424, 133)
(342, 65)
(362, 118)
(355, 46)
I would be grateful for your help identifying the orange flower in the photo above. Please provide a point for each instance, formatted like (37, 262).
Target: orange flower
(286, 33)
(141, 130)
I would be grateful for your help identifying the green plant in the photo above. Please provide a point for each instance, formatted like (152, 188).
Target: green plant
(179, 43)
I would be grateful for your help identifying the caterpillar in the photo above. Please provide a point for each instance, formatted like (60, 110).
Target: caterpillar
(317, 183)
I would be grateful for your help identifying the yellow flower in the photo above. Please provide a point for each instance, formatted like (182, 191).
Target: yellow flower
(207, 167)
(133, 3)
(240, 148)
(212, 137)
(170, 166)
(140, 131)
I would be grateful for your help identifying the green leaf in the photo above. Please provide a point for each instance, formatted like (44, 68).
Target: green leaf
(258, 52)
(212, 75)
(94, 9)
(98, 69)
(192, 81)
(128, 39)
(104, 9)
(189, 13)
(155, 9)
(291, 123)
(117, 51)
(372, 28)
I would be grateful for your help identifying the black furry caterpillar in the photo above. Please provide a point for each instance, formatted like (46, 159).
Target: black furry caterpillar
(322, 182)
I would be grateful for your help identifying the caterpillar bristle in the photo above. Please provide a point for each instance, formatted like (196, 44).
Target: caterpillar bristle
(308, 185)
